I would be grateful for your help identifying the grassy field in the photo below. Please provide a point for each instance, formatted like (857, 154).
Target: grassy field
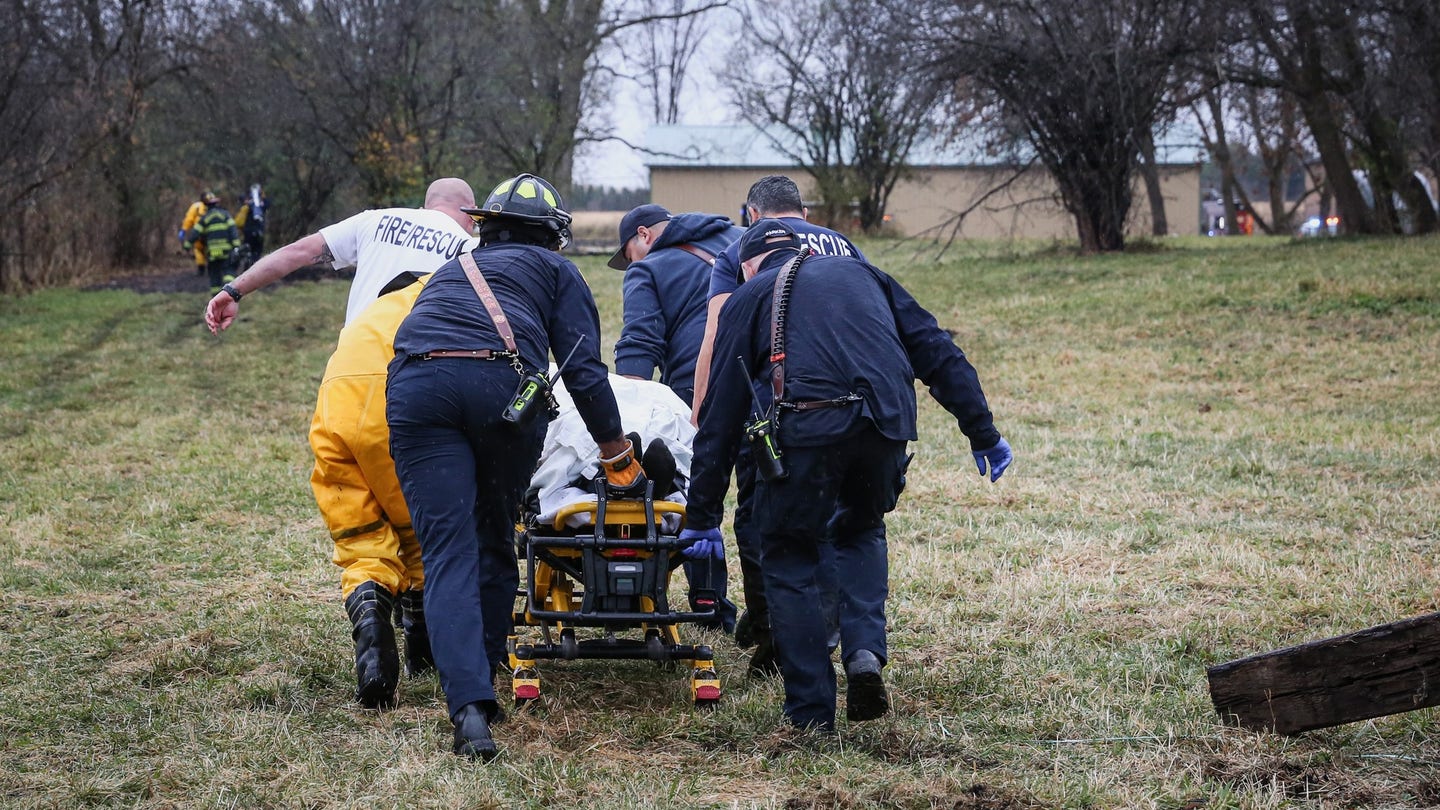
(1222, 448)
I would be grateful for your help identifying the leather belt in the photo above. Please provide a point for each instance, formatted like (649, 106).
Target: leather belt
(474, 354)
(817, 404)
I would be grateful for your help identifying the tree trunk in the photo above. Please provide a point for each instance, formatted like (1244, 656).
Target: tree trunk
(1099, 208)
(1279, 210)
(1422, 210)
(1330, 142)
(1221, 149)
(126, 243)
(1159, 224)
(1312, 92)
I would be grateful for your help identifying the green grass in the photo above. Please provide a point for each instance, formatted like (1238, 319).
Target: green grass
(1223, 447)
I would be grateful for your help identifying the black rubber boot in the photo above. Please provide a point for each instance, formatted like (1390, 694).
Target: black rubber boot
(745, 630)
(865, 697)
(659, 464)
(377, 664)
(418, 659)
(472, 733)
(764, 663)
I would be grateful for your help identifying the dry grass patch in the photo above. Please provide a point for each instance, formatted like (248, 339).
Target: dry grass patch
(1224, 447)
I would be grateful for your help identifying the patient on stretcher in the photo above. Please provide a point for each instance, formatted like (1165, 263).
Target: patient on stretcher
(658, 422)
(649, 411)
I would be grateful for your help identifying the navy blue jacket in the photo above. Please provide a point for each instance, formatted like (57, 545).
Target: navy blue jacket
(665, 302)
(548, 305)
(725, 277)
(851, 329)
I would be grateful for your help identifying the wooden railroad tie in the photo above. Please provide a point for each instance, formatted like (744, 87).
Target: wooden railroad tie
(1387, 669)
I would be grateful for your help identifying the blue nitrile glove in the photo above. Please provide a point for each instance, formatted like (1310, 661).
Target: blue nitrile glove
(704, 543)
(999, 457)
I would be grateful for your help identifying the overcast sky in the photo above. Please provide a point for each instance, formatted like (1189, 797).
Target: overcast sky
(613, 164)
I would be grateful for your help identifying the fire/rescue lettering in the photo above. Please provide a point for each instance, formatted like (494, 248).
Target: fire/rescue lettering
(401, 232)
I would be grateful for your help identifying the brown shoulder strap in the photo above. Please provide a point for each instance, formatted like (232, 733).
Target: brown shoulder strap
(698, 252)
(487, 297)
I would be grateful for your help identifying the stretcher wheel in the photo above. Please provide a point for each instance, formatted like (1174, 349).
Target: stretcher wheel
(525, 686)
(655, 648)
(704, 686)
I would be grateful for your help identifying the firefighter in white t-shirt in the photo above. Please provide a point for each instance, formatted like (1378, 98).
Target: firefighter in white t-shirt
(381, 244)
(353, 479)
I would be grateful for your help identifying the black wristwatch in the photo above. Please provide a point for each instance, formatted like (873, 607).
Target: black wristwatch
(234, 293)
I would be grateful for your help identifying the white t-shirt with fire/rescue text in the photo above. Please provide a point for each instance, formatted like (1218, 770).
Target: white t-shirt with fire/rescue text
(382, 243)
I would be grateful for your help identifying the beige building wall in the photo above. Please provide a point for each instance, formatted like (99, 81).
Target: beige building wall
(929, 204)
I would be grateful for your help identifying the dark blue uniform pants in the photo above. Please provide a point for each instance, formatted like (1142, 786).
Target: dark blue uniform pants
(463, 471)
(747, 541)
(837, 494)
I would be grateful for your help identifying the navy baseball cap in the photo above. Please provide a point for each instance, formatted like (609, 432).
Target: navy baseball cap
(642, 217)
(767, 235)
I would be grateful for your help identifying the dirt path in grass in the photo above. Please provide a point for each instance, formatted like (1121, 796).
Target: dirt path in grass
(179, 276)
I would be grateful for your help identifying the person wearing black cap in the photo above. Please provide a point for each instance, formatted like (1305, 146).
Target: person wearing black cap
(480, 332)
(775, 197)
(850, 344)
(667, 261)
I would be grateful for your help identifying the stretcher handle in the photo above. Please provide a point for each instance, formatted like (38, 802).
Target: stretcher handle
(617, 512)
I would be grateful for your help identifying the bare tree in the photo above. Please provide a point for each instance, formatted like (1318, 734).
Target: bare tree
(1088, 82)
(116, 52)
(379, 79)
(537, 91)
(1210, 115)
(822, 79)
(1340, 63)
(1149, 169)
(659, 55)
(1272, 120)
(1416, 51)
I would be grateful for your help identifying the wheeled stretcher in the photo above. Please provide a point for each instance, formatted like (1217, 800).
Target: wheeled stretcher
(600, 590)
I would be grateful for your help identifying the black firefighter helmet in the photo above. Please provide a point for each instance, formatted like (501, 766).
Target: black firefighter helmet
(528, 199)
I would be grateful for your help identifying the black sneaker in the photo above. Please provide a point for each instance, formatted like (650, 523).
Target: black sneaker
(865, 697)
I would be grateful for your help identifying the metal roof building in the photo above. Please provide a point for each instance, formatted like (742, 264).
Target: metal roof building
(710, 168)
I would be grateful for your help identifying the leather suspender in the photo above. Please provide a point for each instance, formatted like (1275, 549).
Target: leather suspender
(492, 304)
(699, 253)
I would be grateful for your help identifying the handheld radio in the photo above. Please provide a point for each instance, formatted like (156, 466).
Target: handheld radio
(760, 432)
(532, 384)
(523, 402)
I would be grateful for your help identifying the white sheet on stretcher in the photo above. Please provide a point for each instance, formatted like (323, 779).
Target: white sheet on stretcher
(647, 408)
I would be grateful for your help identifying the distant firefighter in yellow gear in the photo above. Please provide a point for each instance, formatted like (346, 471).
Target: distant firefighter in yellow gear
(192, 218)
(359, 496)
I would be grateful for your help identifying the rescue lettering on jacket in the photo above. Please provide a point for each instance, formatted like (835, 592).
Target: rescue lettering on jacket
(401, 232)
(828, 244)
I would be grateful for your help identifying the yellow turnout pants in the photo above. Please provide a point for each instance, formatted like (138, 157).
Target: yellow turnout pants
(356, 489)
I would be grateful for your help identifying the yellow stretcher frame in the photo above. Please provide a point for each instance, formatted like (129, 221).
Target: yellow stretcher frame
(562, 589)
